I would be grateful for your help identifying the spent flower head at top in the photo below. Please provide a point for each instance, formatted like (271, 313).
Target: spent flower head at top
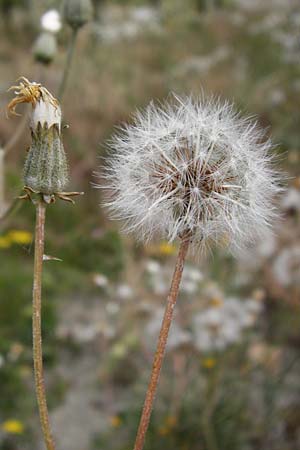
(196, 167)
(46, 168)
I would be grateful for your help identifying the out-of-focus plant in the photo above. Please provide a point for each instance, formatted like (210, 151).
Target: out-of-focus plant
(51, 21)
(45, 177)
(97, 9)
(7, 6)
(45, 48)
(76, 14)
(192, 170)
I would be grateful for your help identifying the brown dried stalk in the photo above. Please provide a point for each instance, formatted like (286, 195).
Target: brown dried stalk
(161, 346)
(36, 323)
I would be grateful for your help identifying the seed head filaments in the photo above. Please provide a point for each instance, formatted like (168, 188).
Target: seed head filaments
(194, 166)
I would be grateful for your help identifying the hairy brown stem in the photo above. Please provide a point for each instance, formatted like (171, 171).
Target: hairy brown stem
(161, 346)
(36, 323)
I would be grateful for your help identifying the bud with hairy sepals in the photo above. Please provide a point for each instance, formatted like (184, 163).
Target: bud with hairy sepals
(77, 12)
(46, 169)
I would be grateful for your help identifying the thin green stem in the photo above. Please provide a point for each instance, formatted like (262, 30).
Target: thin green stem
(37, 324)
(161, 346)
(69, 59)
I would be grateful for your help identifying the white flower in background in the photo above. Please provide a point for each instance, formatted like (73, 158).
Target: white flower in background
(192, 166)
(160, 285)
(177, 338)
(276, 97)
(100, 280)
(51, 21)
(115, 27)
(124, 292)
(191, 278)
(159, 276)
(112, 308)
(212, 291)
(193, 274)
(202, 64)
(291, 200)
(252, 261)
(153, 267)
(144, 14)
(84, 333)
(217, 327)
(286, 267)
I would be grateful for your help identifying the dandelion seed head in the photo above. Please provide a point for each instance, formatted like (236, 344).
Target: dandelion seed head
(192, 166)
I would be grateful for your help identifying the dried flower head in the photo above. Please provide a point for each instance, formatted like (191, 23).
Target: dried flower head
(192, 166)
(46, 168)
(30, 92)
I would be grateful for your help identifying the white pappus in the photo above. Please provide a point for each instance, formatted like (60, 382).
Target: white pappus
(192, 165)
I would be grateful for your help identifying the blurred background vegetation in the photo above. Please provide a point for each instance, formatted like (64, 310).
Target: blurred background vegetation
(231, 376)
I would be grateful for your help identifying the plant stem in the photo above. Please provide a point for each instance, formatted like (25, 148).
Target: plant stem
(68, 64)
(161, 346)
(18, 133)
(36, 323)
(209, 436)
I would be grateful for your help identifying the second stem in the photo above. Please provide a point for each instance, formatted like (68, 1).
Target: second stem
(161, 346)
(68, 64)
(37, 323)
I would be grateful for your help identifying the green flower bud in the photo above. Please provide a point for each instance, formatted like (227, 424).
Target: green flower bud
(77, 12)
(45, 47)
(46, 168)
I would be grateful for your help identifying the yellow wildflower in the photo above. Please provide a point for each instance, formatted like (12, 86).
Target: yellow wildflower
(209, 363)
(216, 302)
(4, 242)
(163, 431)
(171, 421)
(20, 237)
(167, 249)
(13, 426)
(115, 421)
